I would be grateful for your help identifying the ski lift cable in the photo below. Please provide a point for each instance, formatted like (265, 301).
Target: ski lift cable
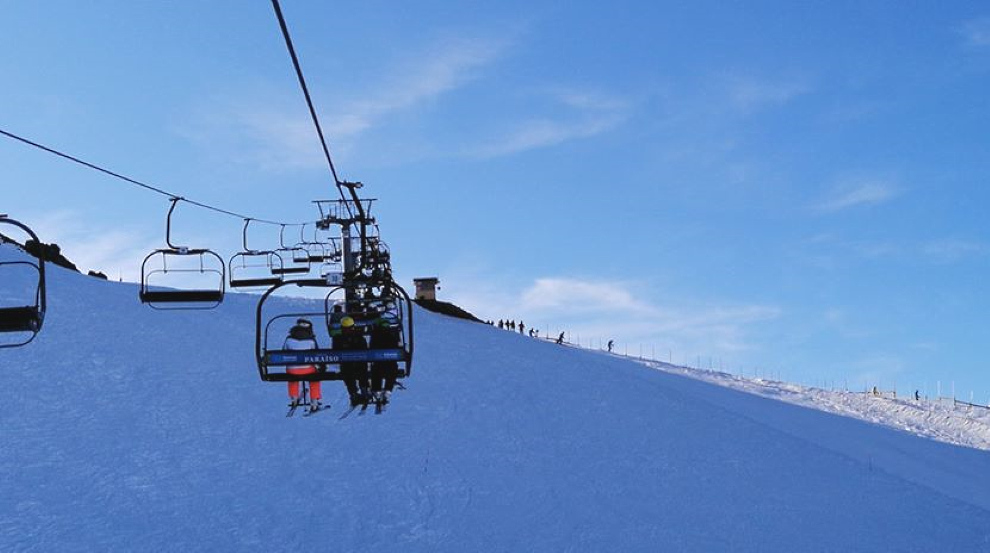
(362, 217)
(309, 102)
(135, 182)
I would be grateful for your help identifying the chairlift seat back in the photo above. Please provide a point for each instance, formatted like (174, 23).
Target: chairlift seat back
(20, 319)
(181, 296)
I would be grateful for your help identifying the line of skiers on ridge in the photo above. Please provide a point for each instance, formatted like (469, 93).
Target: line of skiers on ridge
(533, 332)
(365, 382)
(511, 325)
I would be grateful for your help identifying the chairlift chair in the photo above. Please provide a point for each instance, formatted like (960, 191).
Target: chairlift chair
(317, 250)
(295, 259)
(332, 272)
(22, 320)
(254, 268)
(270, 332)
(201, 262)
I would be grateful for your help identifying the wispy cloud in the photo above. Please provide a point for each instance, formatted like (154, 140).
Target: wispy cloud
(118, 253)
(252, 130)
(561, 295)
(880, 369)
(952, 250)
(831, 251)
(976, 32)
(586, 114)
(857, 193)
(591, 309)
(747, 94)
(542, 133)
(427, 75)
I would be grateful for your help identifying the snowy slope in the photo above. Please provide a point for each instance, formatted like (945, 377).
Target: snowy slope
(128, 429)
(943, 421)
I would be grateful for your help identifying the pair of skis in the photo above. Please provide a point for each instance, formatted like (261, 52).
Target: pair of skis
(309, 412)
(379, 409)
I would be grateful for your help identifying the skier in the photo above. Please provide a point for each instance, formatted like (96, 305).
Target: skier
(301, 337)
(917, 395)
(336, 314)
(354, 373)
(500, 323)
(522, 327)
(610, 344)
(560, 339)
(383, 373)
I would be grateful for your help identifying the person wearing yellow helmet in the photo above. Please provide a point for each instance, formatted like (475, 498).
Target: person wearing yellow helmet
(384, 335)
(353, 373)
(336, 314)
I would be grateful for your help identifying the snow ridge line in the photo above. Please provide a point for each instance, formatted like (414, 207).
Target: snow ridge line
(934, 421)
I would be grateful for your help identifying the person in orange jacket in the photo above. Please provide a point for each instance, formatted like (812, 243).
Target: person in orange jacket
(301, 337)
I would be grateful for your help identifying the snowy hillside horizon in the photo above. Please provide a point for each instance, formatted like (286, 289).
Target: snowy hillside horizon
(130, 429)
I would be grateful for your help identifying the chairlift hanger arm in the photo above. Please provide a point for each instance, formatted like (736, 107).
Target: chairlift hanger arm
(168, 223)
(244, 235)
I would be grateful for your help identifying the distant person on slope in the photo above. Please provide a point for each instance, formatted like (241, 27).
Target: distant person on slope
(301, 337)
(610, 344)
(560, 339)
(353, 373)
(522, 327)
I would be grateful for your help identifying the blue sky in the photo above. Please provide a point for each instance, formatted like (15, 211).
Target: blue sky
(793, 188)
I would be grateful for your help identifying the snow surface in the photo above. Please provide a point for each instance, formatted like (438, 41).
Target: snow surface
(943, 420)
(129, 429)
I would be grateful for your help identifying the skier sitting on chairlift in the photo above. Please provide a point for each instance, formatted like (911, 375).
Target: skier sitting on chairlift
(336, 315)
(354, 373)
(383, 373)
(301, 337)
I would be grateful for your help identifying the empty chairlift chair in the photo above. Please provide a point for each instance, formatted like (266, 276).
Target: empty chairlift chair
(295, 259)
(179, 277)
(254, 268)
(22, 296)
(319, 249)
